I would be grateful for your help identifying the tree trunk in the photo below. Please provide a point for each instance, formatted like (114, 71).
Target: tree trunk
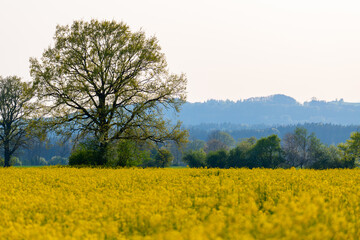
(102, 157)
(103, 144)
(7, 154)
(103, 131)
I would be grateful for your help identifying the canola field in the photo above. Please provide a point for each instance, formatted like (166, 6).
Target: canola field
(69, 203)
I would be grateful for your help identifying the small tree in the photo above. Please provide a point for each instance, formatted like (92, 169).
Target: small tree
(328, 157)
(85, 153)
(195, 158)
(163, 158)
(291, 151)
(15, 112)
(302, 139)
(128, 153)
(216, 159)
(267, 152)
(351, 150)
(240, 155)
(300, 148)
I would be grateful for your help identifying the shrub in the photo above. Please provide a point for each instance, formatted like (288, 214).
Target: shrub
(85, 153)
(14, 161)
(216, 159)
(195, 159)
(127, 153)
(163, 158)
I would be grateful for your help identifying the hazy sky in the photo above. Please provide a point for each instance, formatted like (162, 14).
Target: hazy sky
(228, 49)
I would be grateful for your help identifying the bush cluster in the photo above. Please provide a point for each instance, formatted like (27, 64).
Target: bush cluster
(299, 149)
(124, 153)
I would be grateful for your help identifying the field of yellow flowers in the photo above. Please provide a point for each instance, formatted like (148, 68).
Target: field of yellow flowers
(70, 203)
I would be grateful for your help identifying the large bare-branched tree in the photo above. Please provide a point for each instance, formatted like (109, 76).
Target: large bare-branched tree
(101, 79)
(15, 111)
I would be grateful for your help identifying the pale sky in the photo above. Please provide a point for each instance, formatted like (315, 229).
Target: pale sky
(229, 49)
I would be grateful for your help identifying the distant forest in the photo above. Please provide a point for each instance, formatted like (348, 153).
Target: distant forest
(327, 133)
(272, 110)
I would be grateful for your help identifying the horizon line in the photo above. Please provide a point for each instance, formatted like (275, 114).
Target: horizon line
(272, 95)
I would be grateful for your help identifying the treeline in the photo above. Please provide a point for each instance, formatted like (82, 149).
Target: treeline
(327, 133)
(297, 149)
(51, 151)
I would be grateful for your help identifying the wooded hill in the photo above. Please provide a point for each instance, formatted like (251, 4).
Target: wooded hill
(271, 110)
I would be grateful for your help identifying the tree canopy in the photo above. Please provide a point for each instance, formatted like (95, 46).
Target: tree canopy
(15, 111)
(101, 79)
(351, 149)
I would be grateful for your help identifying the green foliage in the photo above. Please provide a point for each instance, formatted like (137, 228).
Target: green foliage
(306, 150)
(163, 158)
(216, 159)
(328, 157)
(267, 152)
(102, 80)
(195, 158)
(240, 155)
(14, 161)
(127, 153)
(86, 153)
(351, 150)
(82, 156)
(57, 160)
(15, 110)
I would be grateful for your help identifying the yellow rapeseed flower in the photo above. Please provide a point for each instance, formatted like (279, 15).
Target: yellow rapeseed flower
(70, 203)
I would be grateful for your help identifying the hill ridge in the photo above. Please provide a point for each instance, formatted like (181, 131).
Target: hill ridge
(269, 110)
